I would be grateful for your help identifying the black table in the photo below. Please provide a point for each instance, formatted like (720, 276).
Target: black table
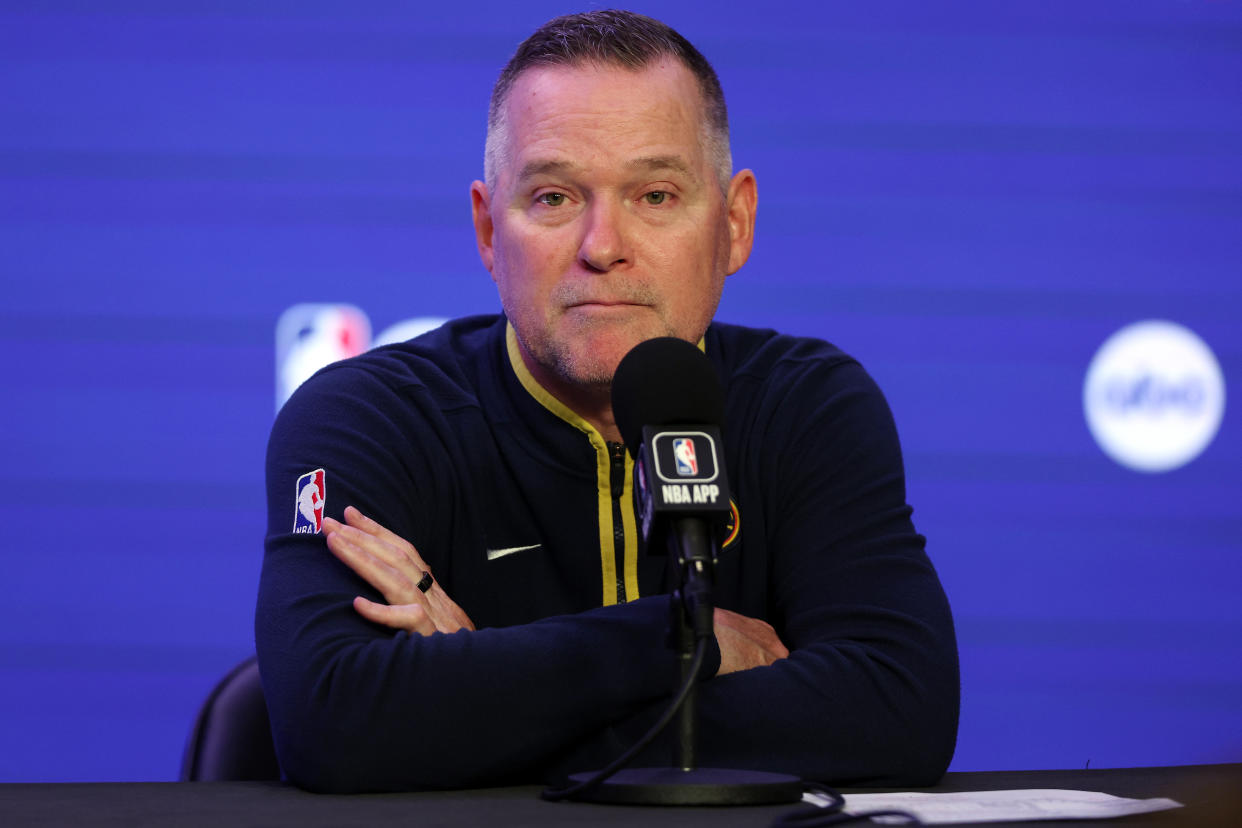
(1212, 795)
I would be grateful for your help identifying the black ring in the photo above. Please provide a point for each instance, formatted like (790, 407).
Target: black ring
(425, 582)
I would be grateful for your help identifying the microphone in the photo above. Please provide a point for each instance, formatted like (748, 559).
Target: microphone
(669, 405)
(664, 381)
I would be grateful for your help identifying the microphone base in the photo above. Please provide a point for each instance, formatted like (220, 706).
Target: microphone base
(699, 786)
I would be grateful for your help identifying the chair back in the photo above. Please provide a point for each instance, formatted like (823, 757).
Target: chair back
(232, 738)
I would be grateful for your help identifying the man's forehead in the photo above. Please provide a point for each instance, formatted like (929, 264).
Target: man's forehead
(548, 89)
(656, 107)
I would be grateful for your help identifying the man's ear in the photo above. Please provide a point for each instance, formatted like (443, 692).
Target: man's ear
(741, 203)
(481, 210)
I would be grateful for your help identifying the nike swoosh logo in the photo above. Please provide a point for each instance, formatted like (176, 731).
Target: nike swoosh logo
(493, 554)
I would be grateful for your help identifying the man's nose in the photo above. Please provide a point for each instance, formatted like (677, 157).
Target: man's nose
(605, 242)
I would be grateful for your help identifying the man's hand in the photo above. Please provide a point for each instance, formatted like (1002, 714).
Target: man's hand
(392, 565)
(745, 642)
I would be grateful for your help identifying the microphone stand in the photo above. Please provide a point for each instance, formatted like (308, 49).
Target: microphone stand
(692, 617)
(691, 609)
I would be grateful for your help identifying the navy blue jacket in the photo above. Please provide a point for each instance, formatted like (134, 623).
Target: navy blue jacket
(448, 441)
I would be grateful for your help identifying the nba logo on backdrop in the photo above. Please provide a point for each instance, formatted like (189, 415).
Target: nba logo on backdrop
(308, 508)
(310, 336)
(683, 452)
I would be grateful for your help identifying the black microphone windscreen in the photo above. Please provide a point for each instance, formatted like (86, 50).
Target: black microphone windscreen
(664, 381)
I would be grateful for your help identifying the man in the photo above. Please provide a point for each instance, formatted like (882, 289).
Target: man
(487, 614)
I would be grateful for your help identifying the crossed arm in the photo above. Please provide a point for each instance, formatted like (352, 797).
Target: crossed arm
(393, 566)
(861, 684)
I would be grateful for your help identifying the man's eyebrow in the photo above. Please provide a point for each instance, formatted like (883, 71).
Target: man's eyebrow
(648, 163)
(545, 167)
(656, 163)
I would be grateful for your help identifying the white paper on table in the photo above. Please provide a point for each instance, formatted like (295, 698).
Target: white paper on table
(1000, 806)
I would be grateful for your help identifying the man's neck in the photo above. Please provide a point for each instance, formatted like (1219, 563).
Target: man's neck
(592, 403)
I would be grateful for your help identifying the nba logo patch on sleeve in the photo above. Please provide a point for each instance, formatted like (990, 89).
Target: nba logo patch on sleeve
(308, 504)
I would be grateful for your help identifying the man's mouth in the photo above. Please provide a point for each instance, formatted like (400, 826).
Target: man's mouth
(606, 303)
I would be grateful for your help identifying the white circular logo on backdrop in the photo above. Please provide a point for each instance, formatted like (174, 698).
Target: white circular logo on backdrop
(1154, 396)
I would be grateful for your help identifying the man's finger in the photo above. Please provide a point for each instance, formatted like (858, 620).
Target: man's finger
(382, 550)
(403, 559)
(448, 617)
(360, 521)
(392, 582)
(410, 617)
(364, 524)
(392, 565)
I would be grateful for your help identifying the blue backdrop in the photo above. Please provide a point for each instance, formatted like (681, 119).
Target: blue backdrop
(970, 197)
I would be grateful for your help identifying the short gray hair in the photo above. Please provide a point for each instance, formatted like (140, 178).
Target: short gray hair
(616, 38)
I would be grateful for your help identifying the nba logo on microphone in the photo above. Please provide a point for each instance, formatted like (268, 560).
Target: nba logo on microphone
(309, 496)
(683, 453)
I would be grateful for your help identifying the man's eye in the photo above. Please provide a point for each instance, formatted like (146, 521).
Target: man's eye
(657, 197)
(552, 199)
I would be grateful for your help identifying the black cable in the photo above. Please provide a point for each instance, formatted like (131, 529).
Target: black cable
(816, 816)
(700, 649)
(808, 818)
(813, 816)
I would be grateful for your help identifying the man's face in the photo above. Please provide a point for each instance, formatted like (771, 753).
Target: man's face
(607, 226)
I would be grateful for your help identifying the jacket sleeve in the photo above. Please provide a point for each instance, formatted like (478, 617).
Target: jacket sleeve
(358, 707)
(870, 690)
